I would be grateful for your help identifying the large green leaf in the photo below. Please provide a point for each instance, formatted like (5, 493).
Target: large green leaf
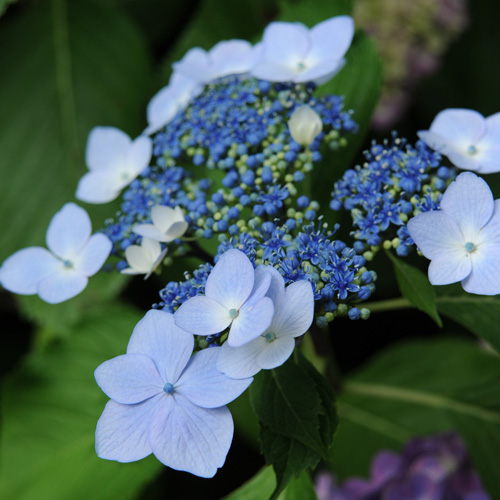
(296, 410)
(259, 487)
(415, 286)
(50, 407)
(69, 66)
(477, 313)
(419, 388)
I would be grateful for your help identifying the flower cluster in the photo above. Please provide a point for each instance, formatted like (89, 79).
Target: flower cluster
(396, 181)
(434, 468)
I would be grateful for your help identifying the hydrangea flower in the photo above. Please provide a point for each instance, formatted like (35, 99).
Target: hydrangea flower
(114, 161)
(168, 224)
(467, 138)
(165, 401)
(234, 297)
(164, 105)
(293, 52)
(229, 57)
(62, 271)
(304, 125)
(293, 315)
(462, 239)
(144, 258)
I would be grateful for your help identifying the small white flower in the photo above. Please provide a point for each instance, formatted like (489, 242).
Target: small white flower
(61, 272)
(169, 100)
(144, 258)
(114, 161)
(462, 239)
(168, 224)
(467, 138)
(304, 125)
(291, 52)
(229, 57)
(293, 315)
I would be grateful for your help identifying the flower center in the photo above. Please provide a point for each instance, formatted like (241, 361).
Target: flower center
(125, 176)
(470, 247)
(168, 388)
(269, 336)
(67, 264)
(233, 313)
(301, 66)
(472, 150)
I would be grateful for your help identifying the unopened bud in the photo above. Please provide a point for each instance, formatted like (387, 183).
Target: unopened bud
(304, 124)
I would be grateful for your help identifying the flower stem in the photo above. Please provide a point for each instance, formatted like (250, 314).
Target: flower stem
(388, 305)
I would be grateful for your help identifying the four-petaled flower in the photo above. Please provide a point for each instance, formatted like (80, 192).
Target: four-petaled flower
(293, 52)
(165, 401)
(234, 297)
(293, 315)
(467, 138)
(61, 273)
(462, 239)
(114, 161)
(144, 258)
(168, 224)
(304, 125)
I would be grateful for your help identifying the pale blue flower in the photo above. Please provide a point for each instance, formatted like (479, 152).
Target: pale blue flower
(62, 271)
(293, 315)
(114, 161)
(291, 52)
(165, 401)
(462, 239)
(467, 138)
(234, 297)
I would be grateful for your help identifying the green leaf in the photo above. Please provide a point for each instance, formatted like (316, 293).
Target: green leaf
(420, 388)
(82, 66)
(416, 288)
(4, 4)
(311, 13)
(50, 408)
(259, 487)
(296, 409)
(300, 489)
(478, 313)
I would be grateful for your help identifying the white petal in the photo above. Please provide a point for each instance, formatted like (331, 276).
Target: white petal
(436, 233)
(64, 284)
(489, 160)
(262, 282)
(231, 280)
(129, 379)
(163, 217)
(469, 201)
(201, 315)
(149, 231)
(161, 109)
(122, 431)
(93, 255)
(490, 234)
(275, 72)
(206, 386)
(68, 231)
(252, 321)
(330, 39)
(152, 247)
(446, 269)
(294, 310)
(492, 136)
(462, 127)
(286, 43)
(241, 362)
(157, 336)
(176, 230)
(99, 186)
(23, 270)
(138, 258)
(485, 276)
(321, 72)
(277, 286)
(107, 147)
(195, 64)
(186, 437)
(138, 157)
(276, 352)
(231, 57)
